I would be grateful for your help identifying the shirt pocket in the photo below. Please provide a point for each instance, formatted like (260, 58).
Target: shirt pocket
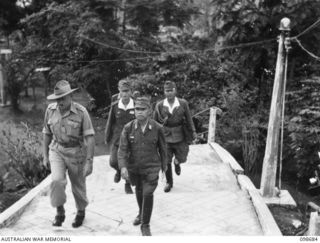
(54, 126)
(73, 127)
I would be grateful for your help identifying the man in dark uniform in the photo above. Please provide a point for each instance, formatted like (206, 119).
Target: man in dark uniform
(121, 112)
(141, 155)
(174, 114)
(67, 128)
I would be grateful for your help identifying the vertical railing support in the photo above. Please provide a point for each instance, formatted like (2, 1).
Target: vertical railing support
(269, 170)
(212, 123)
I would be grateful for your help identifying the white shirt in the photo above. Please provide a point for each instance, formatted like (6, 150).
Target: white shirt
(130, 105)
(176, 103)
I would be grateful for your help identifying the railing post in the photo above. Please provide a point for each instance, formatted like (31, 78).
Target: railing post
(212, 123)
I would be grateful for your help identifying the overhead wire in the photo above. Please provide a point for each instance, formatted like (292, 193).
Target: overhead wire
(241, 45)
(307, 51)
(307, 29)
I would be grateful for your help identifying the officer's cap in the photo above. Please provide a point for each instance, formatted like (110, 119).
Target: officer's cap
(169, 85)
(124, 83)
(143, 102)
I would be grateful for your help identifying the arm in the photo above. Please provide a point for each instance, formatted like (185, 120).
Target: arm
(162, 150)
(47, 138)
(89, 142)
(123, 153)
(189, 120)
(155, 113)
(110, 121)
(88, 137)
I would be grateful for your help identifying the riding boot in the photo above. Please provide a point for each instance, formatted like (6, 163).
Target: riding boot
(169, 178)
(139, 198)
(147, 206)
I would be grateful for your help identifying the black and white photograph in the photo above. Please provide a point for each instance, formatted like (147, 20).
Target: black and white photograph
(163, 118)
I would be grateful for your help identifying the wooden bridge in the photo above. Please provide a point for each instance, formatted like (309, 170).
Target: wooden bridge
(210, 197)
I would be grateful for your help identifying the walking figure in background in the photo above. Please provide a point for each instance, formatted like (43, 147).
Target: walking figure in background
(68, 145)
(121, 112)
(142, 153)
(174, 114)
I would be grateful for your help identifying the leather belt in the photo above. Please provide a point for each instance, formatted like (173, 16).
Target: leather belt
(69, 145)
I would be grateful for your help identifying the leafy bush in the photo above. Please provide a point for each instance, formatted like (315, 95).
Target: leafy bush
(23, 149)
(303, 128)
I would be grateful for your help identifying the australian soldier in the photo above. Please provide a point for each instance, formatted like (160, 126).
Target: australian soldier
(142, 154)
(174, 114)
(68, 146)
(121, 112)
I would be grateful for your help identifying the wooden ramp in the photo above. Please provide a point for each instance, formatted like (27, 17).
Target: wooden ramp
(206, 200)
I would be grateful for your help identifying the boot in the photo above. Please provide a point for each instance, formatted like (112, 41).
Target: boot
(139, 198)
(169, 178)
(78, 220)
(167, 187)
(146, 215)
(60, 217)
(127, 188)
(177, 167)
(117, 176)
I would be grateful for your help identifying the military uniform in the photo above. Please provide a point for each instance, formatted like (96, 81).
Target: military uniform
(178, 125)
(118, 117)
(143, 154)
(67, 153)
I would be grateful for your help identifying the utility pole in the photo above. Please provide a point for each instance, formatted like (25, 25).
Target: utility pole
(269, 170)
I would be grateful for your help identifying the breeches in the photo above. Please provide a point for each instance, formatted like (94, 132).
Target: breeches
(114, 156)
(147, 183)
(178, 150)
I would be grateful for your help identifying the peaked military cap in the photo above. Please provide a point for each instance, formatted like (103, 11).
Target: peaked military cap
(143, 102)
(169, 85)
(124, 83)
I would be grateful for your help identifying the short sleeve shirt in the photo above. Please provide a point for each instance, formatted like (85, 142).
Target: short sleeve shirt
(72, 127)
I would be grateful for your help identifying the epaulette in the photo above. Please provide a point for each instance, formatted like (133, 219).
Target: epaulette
(79, 106)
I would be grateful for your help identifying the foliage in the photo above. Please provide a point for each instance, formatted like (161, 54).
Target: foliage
(17, 74)
(23, 148)
(303, 128)
(96, 43)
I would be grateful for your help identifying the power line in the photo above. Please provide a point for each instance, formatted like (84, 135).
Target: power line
(308, 29)
(95, 61)
(307, 51)
(241, 45)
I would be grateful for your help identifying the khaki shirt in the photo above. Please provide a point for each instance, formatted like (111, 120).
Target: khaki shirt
(69, 129)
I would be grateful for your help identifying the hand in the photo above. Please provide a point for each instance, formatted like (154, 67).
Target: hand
(194, 135)
(124, 173)
(163, 175)
(164, 169)
(88, 167)
(46, 162)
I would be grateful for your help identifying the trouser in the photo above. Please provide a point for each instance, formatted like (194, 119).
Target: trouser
(178, 150)
(71, 160)
(145, 185)
(169, 177)
(114, 157)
